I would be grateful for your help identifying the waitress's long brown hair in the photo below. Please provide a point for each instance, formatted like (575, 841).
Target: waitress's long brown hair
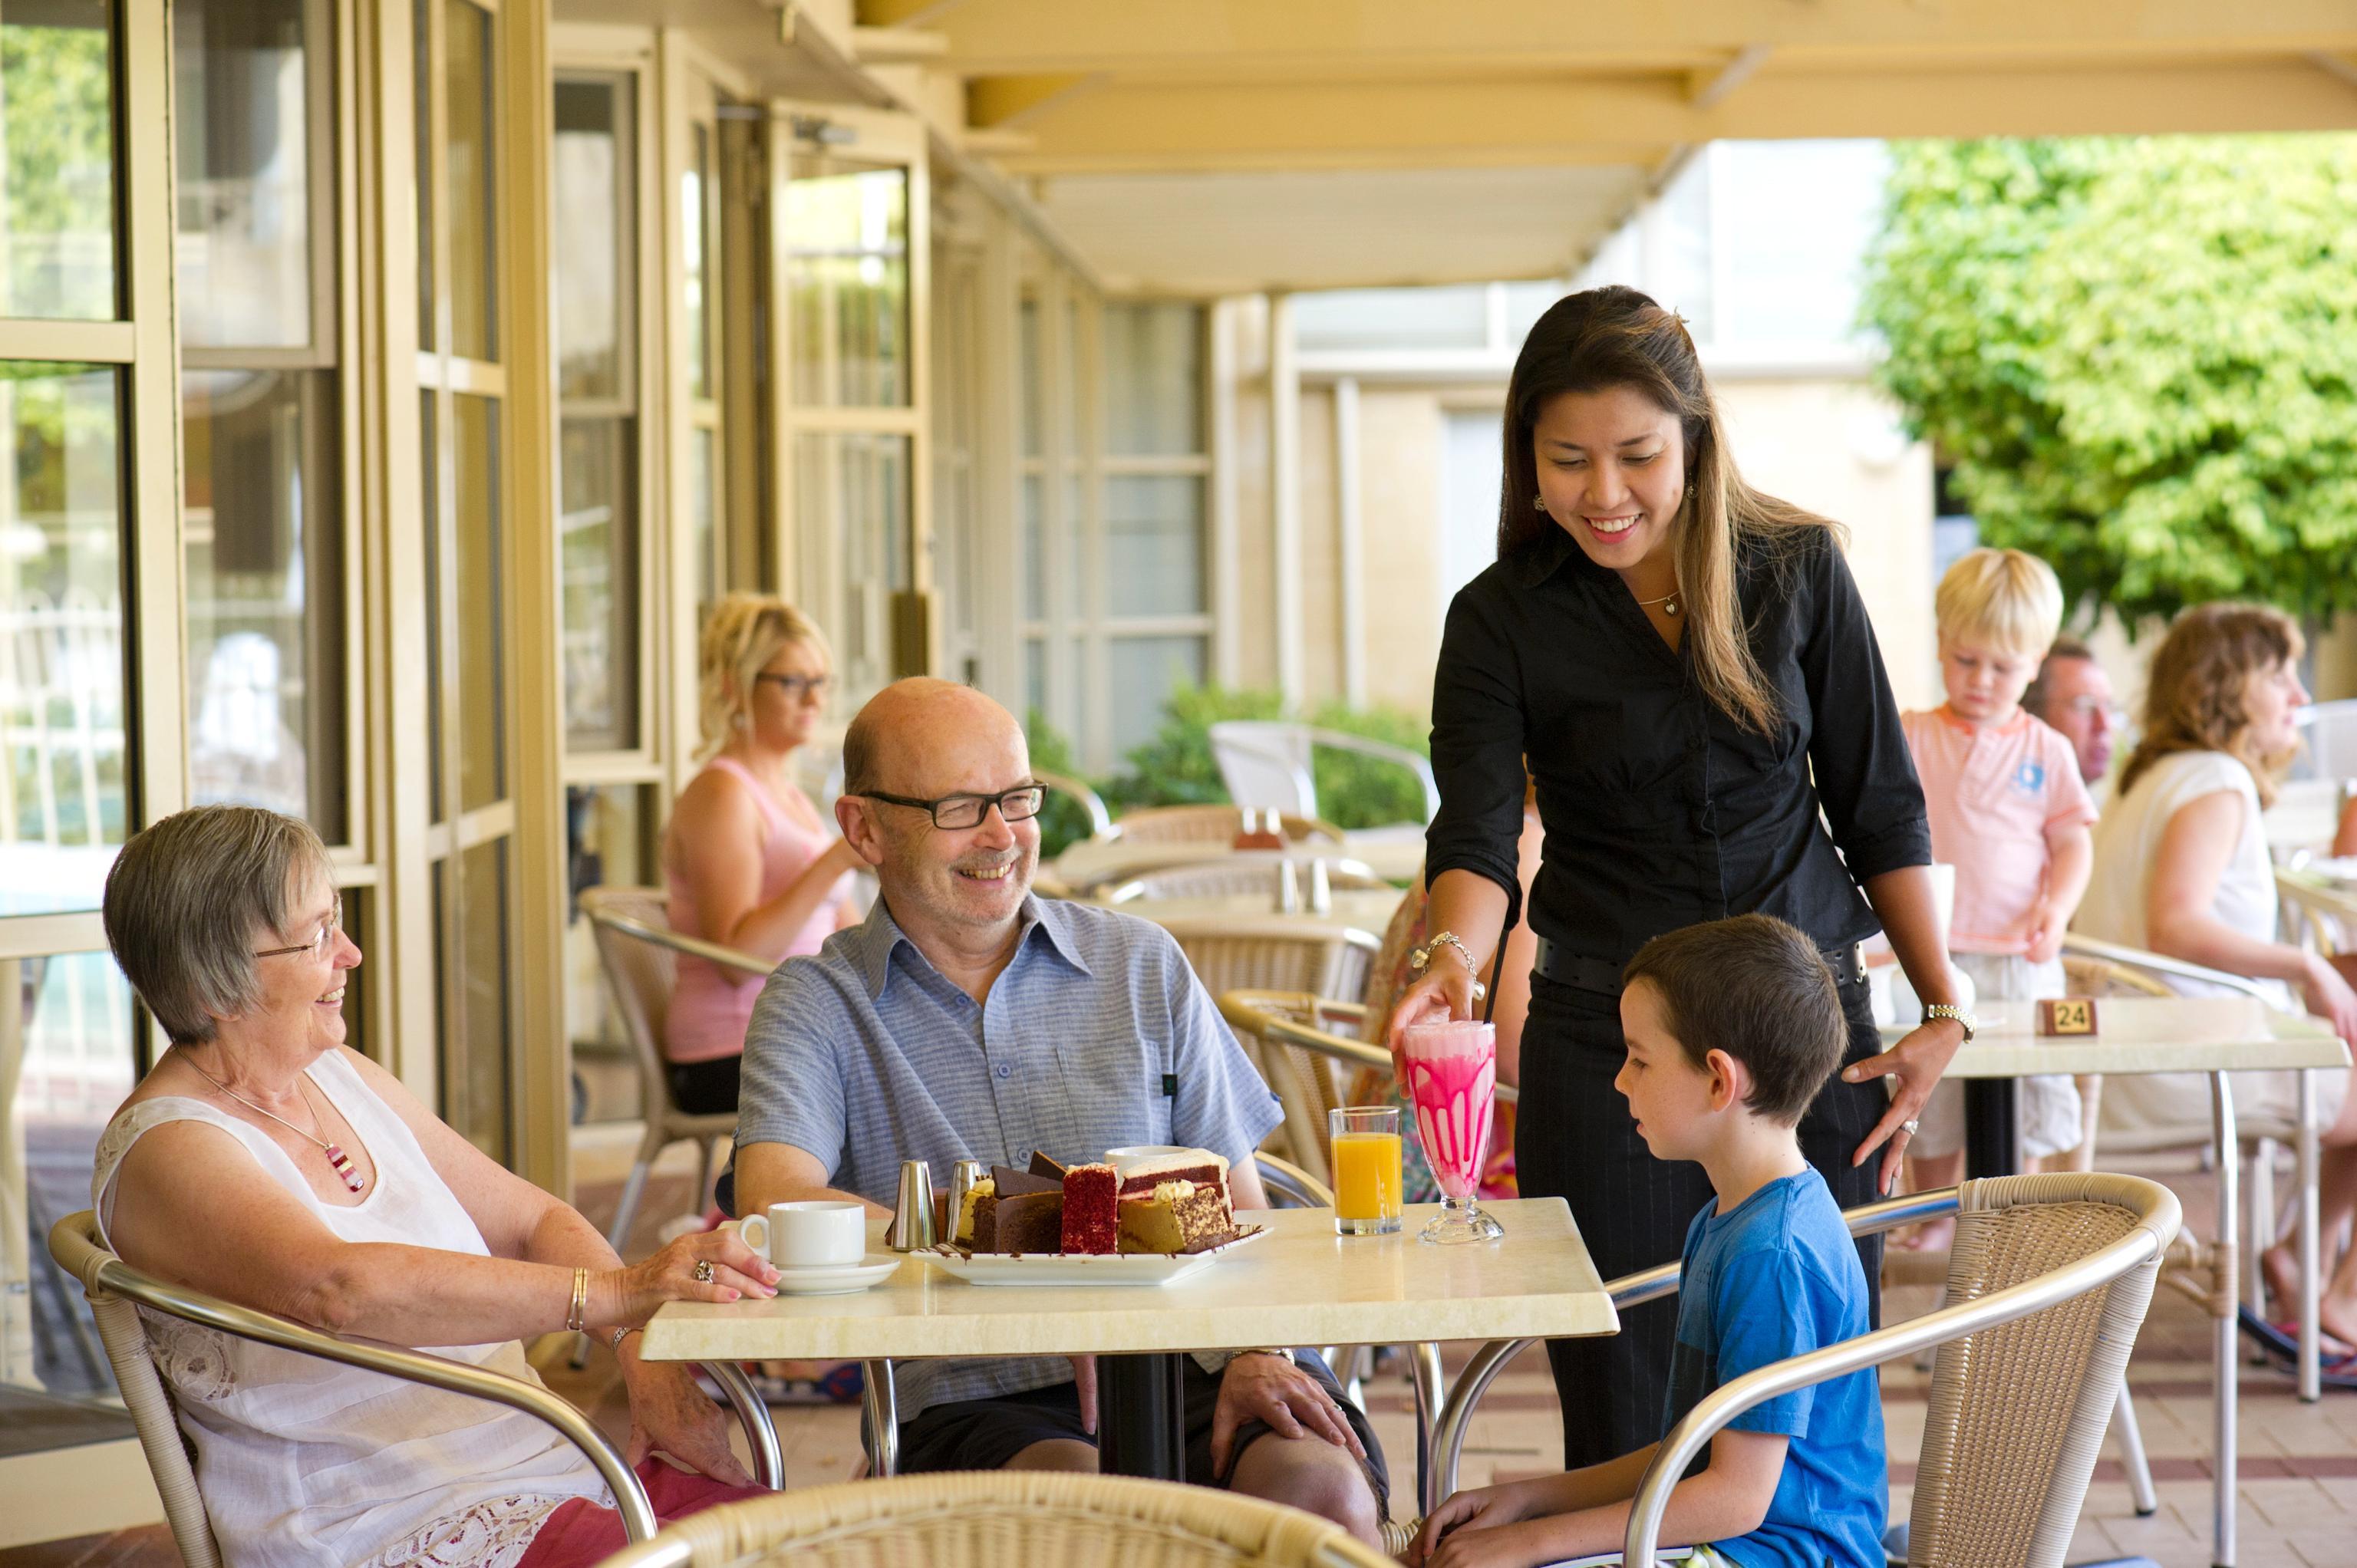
(1616, 336)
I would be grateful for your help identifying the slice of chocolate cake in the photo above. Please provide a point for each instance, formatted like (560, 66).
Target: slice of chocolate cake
(1028, 1222)
(1176, 1217)
(1090, 1200)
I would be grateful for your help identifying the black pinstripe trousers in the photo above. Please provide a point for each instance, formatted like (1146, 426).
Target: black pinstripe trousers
(1574, 1139)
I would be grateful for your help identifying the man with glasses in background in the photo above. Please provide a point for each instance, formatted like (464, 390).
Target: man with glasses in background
(968, 1019)
(2072, 693)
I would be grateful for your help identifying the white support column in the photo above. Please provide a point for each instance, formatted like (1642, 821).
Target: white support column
(1285, 495)
(1350, 532)
(1226, 499)
(998, 468)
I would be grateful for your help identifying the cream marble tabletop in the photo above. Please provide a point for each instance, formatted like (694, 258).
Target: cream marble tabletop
(2147, 1033)
(1092, 863)
(1301, 1286)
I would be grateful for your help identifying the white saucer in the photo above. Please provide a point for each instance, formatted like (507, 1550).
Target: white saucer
(834, 1279)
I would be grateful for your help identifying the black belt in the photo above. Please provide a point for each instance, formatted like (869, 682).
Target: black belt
(1603, 975)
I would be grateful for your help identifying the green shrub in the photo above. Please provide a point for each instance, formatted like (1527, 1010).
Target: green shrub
(1175, 768)
(1063, 821)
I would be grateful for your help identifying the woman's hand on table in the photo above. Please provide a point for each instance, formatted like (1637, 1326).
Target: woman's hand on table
(670, 1413)
(737, 1270)
(1282, 1397)
(1916, 1063)
(2329, 996)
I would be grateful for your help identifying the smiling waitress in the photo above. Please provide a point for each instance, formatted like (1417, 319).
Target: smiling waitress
(1687, 666)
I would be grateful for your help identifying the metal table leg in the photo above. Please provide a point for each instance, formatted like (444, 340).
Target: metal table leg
(1992, 1128)
(2311, 1375)
(1140, 1429)
(2224, 1456)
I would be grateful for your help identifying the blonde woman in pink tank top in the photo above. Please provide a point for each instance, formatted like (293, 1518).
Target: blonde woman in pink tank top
(749, 862)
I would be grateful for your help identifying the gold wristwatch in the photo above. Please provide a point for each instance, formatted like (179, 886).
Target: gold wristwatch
(1421, 960)
(1943, 1009)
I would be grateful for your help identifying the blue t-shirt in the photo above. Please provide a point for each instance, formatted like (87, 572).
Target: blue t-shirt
(1775, 1278)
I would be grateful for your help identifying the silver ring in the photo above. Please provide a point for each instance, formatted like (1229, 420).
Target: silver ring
(1910, 1127)
(703, 1270)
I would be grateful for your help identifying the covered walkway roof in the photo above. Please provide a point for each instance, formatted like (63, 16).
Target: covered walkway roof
(1211, 145)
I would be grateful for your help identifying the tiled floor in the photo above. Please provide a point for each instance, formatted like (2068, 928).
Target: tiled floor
(2298, 1484)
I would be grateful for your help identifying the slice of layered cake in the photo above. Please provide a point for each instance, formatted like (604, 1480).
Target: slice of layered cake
(1019, 1213)
(1091, 1198)
(1198, 1165)
(1176, 1216)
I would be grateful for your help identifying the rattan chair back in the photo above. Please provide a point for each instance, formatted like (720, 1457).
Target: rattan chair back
(1212, 824)
(1002, 1519)
(2018, 1411)
(1307, 1083)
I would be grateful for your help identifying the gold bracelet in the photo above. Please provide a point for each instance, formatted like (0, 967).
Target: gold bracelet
(576, 1317)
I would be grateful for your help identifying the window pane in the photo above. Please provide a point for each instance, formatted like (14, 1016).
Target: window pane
(1455, 317)
(847, 283)
(61, 673)
(703, 513)
(1030, 413)
(1035, 675)
(243, 172)
(57, 118)
(1154, 544)
(482, 671)
(1035, 547)
(472, 989)
(70, 1016)
(599, 547)
(595, 225)
(265, 593)
(858, 486)
(420, 14)
(1154, 380)
(609, 843)
(696, 245)
(474, 274)
(1144, 669)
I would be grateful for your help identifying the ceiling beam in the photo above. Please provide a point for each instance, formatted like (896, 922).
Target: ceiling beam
(2342, 66)
(998, 38)
(898, 46)
(1709, 89)
(902, 13)
(1139, 128)
(1002, 103)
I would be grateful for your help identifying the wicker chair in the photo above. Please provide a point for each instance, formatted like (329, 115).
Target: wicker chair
(1002, 1519)
(640, 952)
(119, 1295)
(2047, 1281)
(1246, 874)
(1212, 824)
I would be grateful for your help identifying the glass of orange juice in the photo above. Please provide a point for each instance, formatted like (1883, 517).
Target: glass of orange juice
(1365, 1144)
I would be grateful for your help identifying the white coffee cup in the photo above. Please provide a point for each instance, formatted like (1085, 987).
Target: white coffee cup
(816, 1233)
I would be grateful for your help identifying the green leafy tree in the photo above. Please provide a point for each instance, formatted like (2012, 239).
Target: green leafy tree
(2140, 355)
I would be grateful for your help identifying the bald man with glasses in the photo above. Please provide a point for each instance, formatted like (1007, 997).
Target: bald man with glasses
(968, 1019)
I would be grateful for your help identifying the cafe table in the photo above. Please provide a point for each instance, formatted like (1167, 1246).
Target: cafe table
(2212, 1034)
(1301, 1284)
(1356, 908)
(1095, 863)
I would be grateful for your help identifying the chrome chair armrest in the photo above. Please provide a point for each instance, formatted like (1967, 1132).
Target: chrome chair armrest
(2161, 963)
(695, 947)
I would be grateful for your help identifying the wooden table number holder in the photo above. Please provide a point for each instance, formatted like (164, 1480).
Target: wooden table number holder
(2066, 1015)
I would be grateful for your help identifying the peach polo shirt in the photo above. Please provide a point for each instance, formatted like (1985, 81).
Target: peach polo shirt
(1993, 794)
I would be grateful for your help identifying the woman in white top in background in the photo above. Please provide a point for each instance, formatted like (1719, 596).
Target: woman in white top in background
(2182, 869)
(265, 1162)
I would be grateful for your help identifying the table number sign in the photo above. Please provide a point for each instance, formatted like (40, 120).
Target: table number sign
(2067, 1016)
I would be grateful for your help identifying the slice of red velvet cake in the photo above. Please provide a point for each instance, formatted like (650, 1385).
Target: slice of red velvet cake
(1092, 1218)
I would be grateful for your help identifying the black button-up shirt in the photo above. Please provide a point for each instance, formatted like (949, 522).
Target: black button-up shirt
(1660, 809)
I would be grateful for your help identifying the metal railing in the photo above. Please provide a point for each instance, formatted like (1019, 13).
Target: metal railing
(101, 1273)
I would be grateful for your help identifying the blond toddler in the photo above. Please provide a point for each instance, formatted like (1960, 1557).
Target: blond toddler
(2010, 811)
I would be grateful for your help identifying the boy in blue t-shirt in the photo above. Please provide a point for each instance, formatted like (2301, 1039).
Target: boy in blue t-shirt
(1731, 1028)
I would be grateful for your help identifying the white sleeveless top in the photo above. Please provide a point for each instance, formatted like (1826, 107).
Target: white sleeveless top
(302, 1461)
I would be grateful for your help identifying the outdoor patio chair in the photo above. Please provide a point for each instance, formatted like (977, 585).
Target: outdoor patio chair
(1004, 1519)
(1269, 764)
(2048, 1282)
(1247, 874)
(1213, 825)
(640, 952)
(122, 1298)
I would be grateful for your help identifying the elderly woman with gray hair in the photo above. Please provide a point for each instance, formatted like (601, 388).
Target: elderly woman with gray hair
(263, 1162)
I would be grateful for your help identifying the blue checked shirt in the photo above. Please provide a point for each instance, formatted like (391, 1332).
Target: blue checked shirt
(1096, 1036)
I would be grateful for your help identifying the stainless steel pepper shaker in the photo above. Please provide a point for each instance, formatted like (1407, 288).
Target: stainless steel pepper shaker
(1321, 889)
(912, 1216)
(963, 1177)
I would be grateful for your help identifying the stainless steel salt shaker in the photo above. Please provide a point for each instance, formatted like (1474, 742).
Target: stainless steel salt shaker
(1289, 889)
(1321, 890)
(912, 1216)
(962, 1176)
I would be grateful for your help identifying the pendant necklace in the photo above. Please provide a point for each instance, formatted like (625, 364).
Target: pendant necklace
(336, 1156)
(1669, 602)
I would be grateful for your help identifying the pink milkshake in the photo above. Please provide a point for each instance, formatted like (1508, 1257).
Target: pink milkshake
(1452, 1080)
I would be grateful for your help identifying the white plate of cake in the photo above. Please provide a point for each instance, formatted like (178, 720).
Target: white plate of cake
(1149, 1220)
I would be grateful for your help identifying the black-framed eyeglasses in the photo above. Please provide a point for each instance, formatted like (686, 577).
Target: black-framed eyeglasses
(317, 946)
(798, 687)
(958, 812)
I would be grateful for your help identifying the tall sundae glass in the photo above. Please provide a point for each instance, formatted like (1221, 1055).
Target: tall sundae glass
(1452, 1082)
